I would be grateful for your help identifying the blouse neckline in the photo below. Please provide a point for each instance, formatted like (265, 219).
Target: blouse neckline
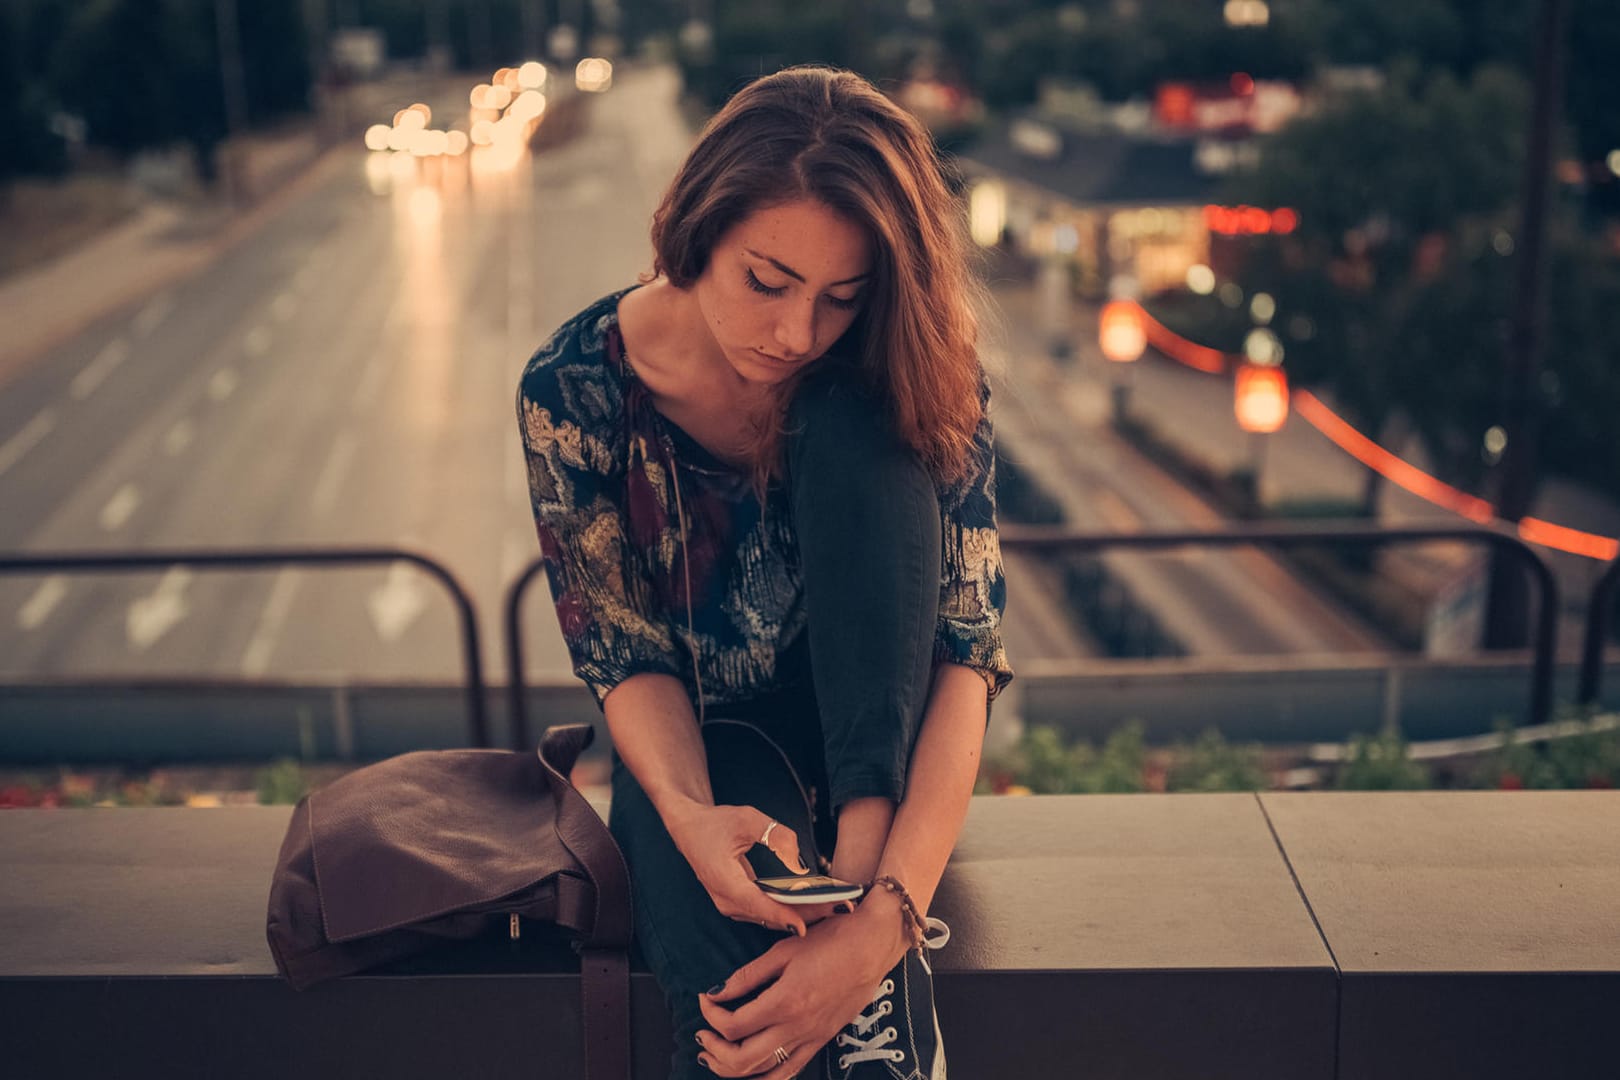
(690, 452)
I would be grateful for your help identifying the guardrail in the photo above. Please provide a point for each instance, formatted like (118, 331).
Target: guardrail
(1049, 538)
(516, 686)
(1598, 610)
(1059, 538)
(1013, 538)
(130, 562)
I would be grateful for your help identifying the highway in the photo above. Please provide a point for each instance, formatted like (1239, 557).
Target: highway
(346, 375)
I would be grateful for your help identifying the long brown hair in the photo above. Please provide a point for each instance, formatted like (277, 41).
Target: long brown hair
(829, 135)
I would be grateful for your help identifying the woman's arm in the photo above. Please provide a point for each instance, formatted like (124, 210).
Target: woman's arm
(939, 785)
(822, 981)
(650, 719)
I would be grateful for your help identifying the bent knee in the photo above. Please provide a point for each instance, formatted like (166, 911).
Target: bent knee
(836, 422)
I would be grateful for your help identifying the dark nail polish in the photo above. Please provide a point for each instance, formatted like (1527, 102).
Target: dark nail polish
(845, 908)
(713, 990)
(699, 1038)
(705, 1064)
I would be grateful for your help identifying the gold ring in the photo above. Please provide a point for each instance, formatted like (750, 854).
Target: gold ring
(781, 1055)
(766, 839)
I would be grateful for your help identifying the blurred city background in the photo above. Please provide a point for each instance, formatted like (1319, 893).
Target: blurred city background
(270, 271)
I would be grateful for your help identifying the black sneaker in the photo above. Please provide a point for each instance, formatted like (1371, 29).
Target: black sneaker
(897, 1036)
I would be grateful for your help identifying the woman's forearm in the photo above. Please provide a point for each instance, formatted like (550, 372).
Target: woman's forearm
(653, 728)
(939, 783)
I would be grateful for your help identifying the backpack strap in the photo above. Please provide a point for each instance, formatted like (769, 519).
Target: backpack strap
(604, 955)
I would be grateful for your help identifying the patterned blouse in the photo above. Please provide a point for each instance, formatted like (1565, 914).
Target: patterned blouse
(599, 462)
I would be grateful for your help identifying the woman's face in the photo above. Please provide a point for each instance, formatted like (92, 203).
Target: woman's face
(781, 286)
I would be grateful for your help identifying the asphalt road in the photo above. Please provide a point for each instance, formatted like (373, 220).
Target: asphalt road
(345, 376)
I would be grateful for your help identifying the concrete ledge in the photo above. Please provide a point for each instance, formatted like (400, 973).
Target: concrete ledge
(1198, 936)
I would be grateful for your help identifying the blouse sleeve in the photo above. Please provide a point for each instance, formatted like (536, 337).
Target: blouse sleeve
(973, 589)
(606, 604)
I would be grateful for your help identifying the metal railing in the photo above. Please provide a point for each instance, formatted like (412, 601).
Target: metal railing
(1598, 610)
(516, 686)
(231, 559)
(1031, 538)
(1059, 538)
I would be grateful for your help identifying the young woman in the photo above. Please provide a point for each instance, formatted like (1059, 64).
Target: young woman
(763, 484)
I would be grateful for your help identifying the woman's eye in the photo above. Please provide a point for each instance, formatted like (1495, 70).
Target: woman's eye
(760, 287)
(846, 304)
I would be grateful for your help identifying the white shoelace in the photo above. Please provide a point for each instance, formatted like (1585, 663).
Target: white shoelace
(870, 1047)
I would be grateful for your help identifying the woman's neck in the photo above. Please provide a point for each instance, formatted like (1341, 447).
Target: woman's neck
(669, 335)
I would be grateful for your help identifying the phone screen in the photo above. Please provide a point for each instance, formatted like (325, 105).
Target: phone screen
(809, 889)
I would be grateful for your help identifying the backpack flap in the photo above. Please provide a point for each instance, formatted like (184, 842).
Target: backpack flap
(424, 834)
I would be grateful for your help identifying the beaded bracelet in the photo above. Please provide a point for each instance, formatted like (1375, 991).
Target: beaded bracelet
(916, 928)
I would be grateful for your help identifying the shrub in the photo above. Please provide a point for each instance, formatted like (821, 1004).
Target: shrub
(1213, 764)
(283, 782)
(1379, 763)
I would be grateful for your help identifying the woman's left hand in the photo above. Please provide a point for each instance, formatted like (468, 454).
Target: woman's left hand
(819, 983)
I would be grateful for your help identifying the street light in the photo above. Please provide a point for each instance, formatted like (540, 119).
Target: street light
(1122, 334)
(1260, 401)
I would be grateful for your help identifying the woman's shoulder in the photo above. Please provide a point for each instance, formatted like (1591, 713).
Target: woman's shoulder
(570, 373)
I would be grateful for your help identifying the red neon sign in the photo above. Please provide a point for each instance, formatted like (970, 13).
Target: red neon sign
(1250, 220)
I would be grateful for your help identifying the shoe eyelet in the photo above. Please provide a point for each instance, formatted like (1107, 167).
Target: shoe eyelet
(897, 1055)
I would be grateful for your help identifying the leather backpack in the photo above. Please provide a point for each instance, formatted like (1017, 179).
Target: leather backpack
(441, 845)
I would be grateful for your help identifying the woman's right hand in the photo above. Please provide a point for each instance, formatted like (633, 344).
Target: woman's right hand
(715, 841)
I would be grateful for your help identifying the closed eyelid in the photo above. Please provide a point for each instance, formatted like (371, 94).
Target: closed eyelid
(795, 275)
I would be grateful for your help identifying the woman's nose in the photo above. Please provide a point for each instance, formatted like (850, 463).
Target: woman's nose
(796, 330)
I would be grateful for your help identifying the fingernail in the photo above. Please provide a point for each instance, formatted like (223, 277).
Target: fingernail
(699, 1038)
(705, 1064)
(715, 989)
(845, 908)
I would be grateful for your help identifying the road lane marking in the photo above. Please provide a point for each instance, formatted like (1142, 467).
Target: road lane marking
(26, 439)
(257, 341)
(39, 606)
(95, 373)
(152, 314)
(1116, 512)
(397, 603)
(120, 507)
(179, 436)
(222, 384)
(283, 307)
(151, 617)
(256, 658)
(326, 486)
(369, 379)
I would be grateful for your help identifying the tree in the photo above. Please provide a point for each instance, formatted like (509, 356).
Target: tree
(146, 73)
(1404, 197)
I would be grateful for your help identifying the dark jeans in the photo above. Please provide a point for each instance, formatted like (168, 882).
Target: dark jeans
(868, 527)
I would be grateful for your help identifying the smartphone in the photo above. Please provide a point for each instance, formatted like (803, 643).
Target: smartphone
(809, 889)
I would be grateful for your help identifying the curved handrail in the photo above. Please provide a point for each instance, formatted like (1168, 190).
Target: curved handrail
(126, 561)
(1049, 537)
(515, 685)
(1041, 537)
(1597, 628)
